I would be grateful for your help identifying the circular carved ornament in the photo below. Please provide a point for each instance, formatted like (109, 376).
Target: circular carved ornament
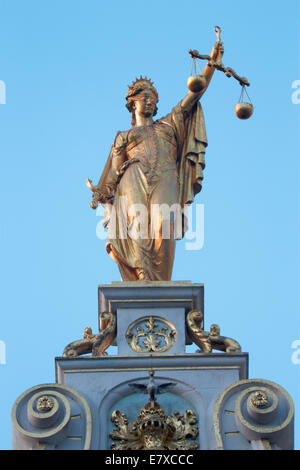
(151, 334)
(259, 399)
(45, 404)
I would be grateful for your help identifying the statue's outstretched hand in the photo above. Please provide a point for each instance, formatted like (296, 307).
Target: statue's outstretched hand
(217, 51)
(103, 196)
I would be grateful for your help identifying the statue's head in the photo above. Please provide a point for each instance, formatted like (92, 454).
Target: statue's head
(142, 95)
(215, 330)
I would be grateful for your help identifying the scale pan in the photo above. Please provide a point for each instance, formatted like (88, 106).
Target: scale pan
(196, 83)
(243, 110)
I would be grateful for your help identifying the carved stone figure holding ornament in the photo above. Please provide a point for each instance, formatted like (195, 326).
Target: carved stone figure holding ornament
(154, 164)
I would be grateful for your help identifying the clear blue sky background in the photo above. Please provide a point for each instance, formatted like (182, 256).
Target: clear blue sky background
(66, 65)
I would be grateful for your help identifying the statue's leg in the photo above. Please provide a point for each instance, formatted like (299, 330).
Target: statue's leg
(166, 218)
(127, 273)
(128, 248)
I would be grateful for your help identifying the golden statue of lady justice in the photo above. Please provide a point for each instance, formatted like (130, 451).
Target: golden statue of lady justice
(153, 163)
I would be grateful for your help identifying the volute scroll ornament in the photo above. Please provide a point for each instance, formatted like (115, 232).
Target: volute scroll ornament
(52, 416)
(261, 413)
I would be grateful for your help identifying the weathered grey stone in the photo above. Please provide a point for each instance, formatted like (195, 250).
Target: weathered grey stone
(232, 411)
(129, 300)
(200, 378)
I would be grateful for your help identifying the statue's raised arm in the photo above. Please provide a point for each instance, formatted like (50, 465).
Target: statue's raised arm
(215, 57)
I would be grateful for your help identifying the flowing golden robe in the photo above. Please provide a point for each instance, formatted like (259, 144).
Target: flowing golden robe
(158, 164)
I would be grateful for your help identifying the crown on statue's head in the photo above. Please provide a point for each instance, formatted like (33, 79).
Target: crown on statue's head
(141, 79)
(140, 84)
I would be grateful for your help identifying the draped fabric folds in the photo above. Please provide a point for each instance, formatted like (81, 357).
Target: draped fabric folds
(158, 164)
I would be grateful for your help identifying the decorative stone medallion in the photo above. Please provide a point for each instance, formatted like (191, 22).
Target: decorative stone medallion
(45, 404)
(259, 399)
(151, 334)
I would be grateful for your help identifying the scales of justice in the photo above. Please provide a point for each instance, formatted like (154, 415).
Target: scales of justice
(153, 395)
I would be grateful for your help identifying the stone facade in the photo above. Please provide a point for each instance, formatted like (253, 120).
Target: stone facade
(228, 410)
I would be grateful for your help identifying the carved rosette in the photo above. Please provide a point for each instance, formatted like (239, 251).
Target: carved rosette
(151, 334)
(45, 404)
(154, 430)
(49, 416)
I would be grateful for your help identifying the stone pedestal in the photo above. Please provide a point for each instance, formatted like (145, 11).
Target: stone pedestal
(201, 400)
(133, 300)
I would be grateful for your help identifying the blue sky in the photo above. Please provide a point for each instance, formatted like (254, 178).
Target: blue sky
(66, 66)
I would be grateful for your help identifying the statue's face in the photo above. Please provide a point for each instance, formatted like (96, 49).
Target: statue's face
(145, 103)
